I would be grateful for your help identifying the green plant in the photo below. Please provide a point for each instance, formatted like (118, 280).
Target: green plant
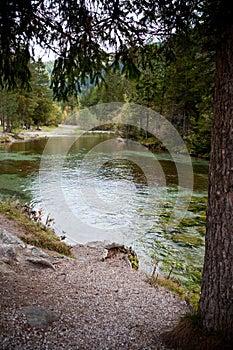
(31, 231)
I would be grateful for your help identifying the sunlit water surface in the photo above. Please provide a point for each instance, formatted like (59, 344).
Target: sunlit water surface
(114, 191)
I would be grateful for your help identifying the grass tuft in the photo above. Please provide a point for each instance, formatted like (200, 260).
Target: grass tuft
(169, 284)
(31, 231)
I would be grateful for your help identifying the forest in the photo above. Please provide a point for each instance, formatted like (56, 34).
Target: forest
(176, 80)
(31, 107)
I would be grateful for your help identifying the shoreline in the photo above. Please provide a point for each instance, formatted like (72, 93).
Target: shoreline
(60, 130)
(69, 130)
(22, 224)
(23, 135)
(86, 302)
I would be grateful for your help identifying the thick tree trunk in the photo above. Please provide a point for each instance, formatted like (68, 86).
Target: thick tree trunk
(216, 302)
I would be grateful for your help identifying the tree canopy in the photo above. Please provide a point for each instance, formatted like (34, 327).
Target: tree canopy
(88, 37)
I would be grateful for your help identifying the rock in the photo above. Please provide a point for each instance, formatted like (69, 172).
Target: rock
(6, 268)
(37, 252)
(41, 263)
(9, 238)
(8, 251)
(39, 317)
(105, 254)
(111, 250)
(115, 248)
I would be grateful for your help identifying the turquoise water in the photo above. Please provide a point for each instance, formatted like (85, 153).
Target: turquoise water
(96, 188)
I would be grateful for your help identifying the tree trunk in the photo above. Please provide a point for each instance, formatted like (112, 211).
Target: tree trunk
(216, 301)
(147, 123)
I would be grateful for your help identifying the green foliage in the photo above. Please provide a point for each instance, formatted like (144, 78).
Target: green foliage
(90, 38)
(133, 260)
(103, 49)
(31, 232)
(82, 34)
(30, 107)
(115, 88)
(8, 110)
(176, 80)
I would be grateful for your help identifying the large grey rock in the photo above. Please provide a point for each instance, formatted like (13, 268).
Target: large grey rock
(39, 317)
(8, 251)
(34, 251)
(41, 263)
(6, 268)
(8, 238)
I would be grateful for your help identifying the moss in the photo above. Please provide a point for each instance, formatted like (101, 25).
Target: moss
(188, 240)
(133, 260)
(168, 284)
(31, 232)
(191, 295)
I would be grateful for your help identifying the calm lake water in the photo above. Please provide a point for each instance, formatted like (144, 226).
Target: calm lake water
(99, 188)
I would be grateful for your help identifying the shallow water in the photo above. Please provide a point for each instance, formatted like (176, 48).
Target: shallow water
(97, 188)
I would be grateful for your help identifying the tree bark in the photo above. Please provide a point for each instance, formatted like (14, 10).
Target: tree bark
(216, 301)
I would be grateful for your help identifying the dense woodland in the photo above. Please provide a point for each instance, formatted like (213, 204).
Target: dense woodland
(176, 81)
(30, 107)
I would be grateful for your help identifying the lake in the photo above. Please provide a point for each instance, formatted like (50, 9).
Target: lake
(98, 187)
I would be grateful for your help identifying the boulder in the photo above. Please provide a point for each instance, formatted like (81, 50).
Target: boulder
(41, 263)
(8, 238)
(34, 251)
(8, 251)
(38, 316)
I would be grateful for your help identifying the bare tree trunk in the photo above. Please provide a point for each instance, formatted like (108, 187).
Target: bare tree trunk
(3, 123)
(216, 301)
(163, 91)
(8, 124)
(2, 111)
(147, 123)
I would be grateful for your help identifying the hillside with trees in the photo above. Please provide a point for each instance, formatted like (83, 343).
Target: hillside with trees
(30, 107)
(176, 81)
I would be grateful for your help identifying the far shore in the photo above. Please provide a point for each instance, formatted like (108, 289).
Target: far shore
(45, 132)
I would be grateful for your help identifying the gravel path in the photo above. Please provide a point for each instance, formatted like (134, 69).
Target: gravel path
(84, 304)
